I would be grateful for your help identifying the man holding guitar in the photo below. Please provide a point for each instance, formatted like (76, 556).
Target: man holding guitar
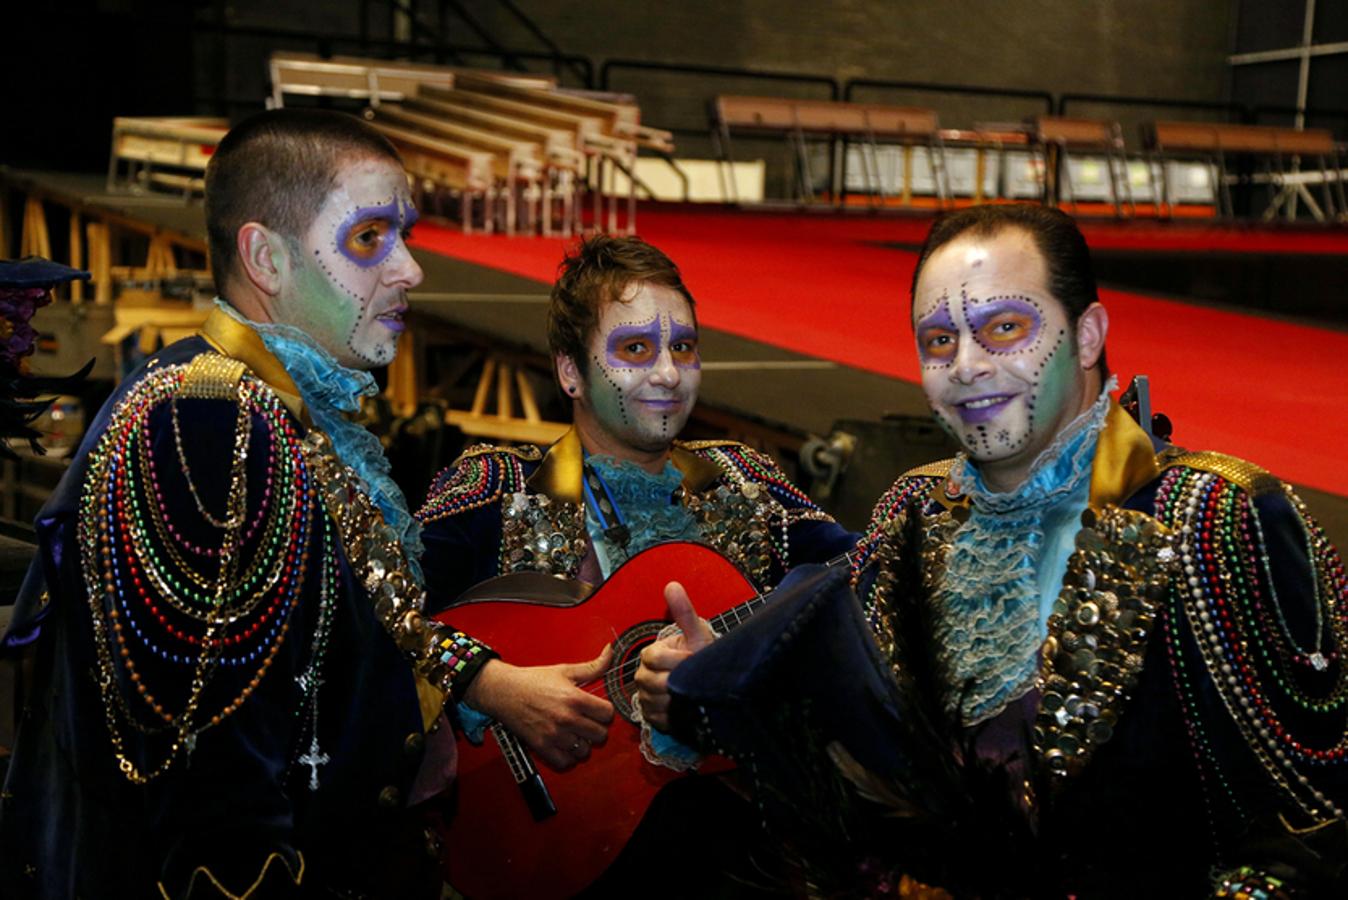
(623, 332)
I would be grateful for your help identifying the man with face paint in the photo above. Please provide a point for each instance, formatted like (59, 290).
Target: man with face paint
(623, 334)
(236, 693)
(1115, 667)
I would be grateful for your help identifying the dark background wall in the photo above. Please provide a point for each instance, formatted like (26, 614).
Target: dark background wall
(80, 63)
(1163, 48)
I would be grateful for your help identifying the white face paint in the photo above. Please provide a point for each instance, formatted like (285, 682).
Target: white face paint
(643, 373)
(999, 357)
(354, 271)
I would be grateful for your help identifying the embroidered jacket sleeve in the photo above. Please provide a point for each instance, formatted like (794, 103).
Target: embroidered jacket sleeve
(879, 547)
(1258, 630)
(461, 521)
(797, 530)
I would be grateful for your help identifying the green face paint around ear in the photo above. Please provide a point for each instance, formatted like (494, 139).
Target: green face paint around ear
(320, 308)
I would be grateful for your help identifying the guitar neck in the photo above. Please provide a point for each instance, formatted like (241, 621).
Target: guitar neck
(737, 615)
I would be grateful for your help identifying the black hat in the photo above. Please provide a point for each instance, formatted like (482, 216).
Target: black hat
(36, 272)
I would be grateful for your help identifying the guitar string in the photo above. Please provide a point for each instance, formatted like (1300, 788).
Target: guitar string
(599, 686)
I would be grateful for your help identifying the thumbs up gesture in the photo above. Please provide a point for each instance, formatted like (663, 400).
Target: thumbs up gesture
(661, 658)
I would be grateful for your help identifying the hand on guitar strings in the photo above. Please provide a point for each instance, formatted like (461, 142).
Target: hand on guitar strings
(544, 707)
(661, 658)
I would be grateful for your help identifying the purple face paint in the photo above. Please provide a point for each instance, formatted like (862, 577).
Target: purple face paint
(937, 335)
(635, 346)
(1005, 324)
(983, 408)
(683, 346)
(368, 235)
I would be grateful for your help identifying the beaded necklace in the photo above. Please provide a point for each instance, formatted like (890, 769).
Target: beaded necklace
(136, 577)
(1219, 593)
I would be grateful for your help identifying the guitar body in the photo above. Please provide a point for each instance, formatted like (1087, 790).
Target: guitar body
(494, 846)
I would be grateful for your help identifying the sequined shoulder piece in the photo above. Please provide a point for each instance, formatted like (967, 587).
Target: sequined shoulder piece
(939, 469)
(479, 477)
(527, 453)
(742, 464)
(212, 376)
(911, 489)
(699, 446)
(1245, 475)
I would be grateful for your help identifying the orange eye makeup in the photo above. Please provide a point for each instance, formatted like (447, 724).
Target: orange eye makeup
(634, 346)
(368, 235)
(637, 346)
(937, 337)
(1005, 324)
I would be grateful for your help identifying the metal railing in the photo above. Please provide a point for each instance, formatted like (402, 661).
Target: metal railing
(937, 88)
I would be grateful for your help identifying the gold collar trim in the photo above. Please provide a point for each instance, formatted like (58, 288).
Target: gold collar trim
(699, 473)
(559, 474)
(237, 341)
(1125, 460)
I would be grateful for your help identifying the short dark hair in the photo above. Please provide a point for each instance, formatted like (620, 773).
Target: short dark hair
(276, 168)
(599, 271)
(1071, 277)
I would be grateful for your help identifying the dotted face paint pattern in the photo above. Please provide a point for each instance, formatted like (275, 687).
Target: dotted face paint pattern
(626, 391)
(365, 239)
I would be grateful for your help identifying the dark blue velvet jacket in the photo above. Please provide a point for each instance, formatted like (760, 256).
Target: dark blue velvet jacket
(1173, 791)
(239, 810)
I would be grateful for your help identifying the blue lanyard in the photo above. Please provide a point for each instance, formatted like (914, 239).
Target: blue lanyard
(617, 532)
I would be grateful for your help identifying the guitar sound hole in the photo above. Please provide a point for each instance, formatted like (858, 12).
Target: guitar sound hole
(618, 682)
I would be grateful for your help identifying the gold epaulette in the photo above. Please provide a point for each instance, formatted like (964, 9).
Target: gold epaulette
(527, 453)
(694, 446)
(210, 376)
(939, 469)
(1245, 475)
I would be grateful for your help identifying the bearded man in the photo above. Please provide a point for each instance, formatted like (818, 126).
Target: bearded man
(1083, 662)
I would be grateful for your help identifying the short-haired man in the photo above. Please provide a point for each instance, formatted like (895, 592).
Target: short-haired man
(234, 680)
(1145, 643)
(622, 329)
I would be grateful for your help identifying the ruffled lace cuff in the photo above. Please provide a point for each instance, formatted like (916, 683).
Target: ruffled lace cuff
(663, 749)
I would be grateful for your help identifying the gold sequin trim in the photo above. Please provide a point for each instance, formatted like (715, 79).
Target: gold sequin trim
(693, 446)
(527, 453)
(1253, 479)
(210, 376)
(938, 469)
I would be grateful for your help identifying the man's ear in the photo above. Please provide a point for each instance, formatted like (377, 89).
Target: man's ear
(568, 375)
(1092, 328)
(263, 259)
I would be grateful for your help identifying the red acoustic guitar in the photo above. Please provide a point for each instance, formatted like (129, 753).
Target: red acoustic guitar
(522, 831)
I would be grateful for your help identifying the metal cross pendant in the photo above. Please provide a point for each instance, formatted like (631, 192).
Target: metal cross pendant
(313, 759)
(307, 679)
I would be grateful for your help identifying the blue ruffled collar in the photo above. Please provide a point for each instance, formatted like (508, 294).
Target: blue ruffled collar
(987, 607)
(331, 392)
(645, 501)
(1055, 473)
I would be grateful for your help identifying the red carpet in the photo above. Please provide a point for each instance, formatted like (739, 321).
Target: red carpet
(1271, 392)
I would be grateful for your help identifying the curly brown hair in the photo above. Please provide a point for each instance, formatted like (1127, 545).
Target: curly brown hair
(601, 270)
